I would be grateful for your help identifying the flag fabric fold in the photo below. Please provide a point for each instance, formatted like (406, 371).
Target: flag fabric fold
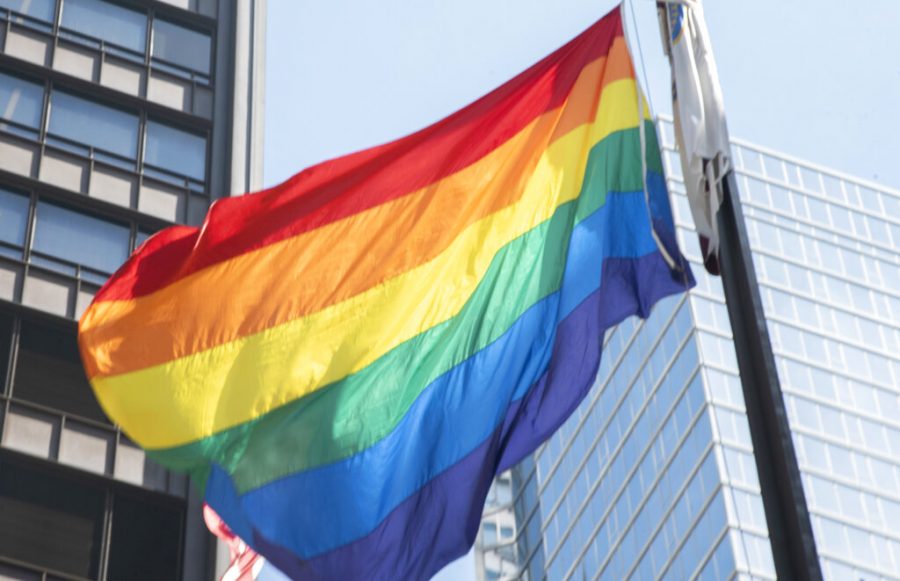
(343, 362)
(699, 120)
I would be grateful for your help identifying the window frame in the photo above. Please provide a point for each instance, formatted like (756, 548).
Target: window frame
(179, 66)
(196, 190)
(54, 138)
(145, 55)
(24, 263)
(111, 490)
(29, 19)
(128, 248)
(67, 33)
(173, 174)
(24, 128)
(11, 246)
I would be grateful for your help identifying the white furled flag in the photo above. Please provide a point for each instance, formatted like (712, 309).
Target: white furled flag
(699, 118)
(245, 562)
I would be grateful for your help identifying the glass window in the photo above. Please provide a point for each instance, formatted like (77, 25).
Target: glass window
(175, 150)
(49, 371)
(42, 9)
(106, 21)
(13, 217)
(94, 124)
(489, 531)
(142, 236)
(853, 265)
(817, 211)
(181, 46)
(49, 521)
(80, 238)
(841, 218)
(20, 101)
(503, 491)
(149, 551)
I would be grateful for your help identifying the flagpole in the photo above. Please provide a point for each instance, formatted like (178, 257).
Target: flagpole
(790, 529)
(787, 515)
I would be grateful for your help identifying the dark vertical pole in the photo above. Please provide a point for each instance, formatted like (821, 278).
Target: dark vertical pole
(790, 529)
(787, 515)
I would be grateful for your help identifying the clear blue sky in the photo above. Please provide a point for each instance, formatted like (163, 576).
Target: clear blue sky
(817, 79)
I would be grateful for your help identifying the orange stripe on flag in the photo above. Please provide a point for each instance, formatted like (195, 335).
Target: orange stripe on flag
(330, 257)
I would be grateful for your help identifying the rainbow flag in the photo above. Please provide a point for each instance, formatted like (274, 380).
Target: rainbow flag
(343, 362)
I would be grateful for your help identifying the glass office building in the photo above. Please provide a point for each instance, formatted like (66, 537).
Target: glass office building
(653, 477)
(117, 118)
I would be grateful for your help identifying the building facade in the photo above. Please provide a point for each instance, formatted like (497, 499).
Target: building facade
(117, 118)
(653, 477)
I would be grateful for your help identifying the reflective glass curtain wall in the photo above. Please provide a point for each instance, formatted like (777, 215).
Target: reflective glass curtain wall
(653, 477)
(827, 252)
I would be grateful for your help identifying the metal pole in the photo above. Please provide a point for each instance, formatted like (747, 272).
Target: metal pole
(787, 515)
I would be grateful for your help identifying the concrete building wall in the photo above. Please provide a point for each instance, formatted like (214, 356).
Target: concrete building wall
(117, 119)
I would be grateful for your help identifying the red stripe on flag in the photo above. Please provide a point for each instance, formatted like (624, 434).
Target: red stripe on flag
(341, 187)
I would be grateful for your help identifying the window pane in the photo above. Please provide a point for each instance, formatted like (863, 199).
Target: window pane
(13, 216)
(142, 236)
(79, 238)
(94, 124)
(20, 101)
(149, 551)
(106, 21)
(181, 46)
(42, 9)
(49, 371)
(50, 521)
(176, 150)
